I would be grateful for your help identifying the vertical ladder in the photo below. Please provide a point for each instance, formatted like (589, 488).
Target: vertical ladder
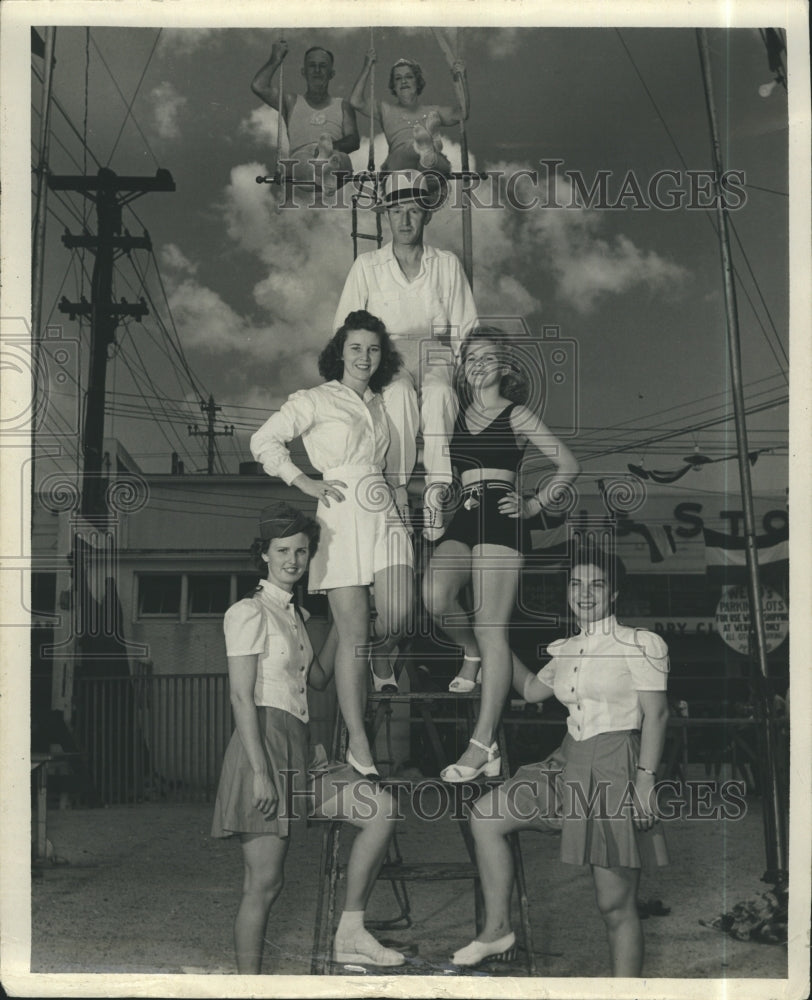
(395, 870)
(356, 235)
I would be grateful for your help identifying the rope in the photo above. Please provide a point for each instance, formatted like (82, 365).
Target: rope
(280, 112)
(371, 160)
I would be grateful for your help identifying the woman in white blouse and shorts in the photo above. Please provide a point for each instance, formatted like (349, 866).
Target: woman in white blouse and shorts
(271, 776)
(597, 789)
(344, 429)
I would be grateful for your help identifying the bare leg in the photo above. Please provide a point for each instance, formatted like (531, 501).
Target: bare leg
(447, 574)
(264, 858)
(374, 816)
(495, 572)
(616, 895)
(327, 653)
(394, 602)
(350, 608)
(491, 822)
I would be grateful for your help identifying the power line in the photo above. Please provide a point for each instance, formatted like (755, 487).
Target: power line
(769, 405)
(66, 116)
(132, 101)
(709, 217)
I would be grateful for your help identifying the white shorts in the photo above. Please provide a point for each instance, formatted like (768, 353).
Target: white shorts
(360, 536)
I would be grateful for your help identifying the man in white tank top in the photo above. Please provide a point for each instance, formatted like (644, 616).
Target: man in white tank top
(319, 127)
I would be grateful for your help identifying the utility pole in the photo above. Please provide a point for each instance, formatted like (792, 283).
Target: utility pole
(775, 826)
(210, 410)
(104, 314)
(96, 643)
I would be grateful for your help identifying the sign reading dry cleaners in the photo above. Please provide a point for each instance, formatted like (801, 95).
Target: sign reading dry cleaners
(733, 618)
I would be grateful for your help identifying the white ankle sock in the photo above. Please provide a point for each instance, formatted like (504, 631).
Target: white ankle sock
(351, 921)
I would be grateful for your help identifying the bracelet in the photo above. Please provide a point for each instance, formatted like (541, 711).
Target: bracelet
(645, 770)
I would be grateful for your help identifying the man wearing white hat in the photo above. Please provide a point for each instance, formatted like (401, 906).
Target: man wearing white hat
(422, 295)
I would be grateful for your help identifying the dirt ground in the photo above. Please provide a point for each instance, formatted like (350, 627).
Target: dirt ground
(145, 889)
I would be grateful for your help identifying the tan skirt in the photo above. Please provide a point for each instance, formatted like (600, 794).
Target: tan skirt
(583, 790)
(303, 778)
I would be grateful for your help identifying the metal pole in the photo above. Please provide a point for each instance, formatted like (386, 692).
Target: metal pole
(467, 226)
(774, 819)
(38, 250)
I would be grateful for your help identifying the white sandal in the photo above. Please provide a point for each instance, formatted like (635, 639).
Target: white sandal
(501, 950)
(455, 774)
(462, 685)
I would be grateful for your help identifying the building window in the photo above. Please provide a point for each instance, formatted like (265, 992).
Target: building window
(201, 595)
(159, 594)
(209, 594)
(246, 585)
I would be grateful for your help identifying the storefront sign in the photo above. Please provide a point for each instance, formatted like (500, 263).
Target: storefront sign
(733, 618)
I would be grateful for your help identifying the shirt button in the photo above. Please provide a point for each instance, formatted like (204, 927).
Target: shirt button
(581, 650)
(572, 689)
(302, 712)
(302, 667)
(301, 690)
(301, 646)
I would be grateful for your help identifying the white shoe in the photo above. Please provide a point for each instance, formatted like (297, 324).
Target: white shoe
(387, 685)
(503, 949)
(325, 147)
(462, 685)
(424, 146)
(365, 772)
(456, 774)
(370, 952)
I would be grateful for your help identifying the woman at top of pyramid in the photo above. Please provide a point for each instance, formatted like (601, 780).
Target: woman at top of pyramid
(410, 126)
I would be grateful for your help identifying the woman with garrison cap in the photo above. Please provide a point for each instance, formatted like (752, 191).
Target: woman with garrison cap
(270, 768)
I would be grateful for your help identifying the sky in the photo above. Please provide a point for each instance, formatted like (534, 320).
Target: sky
(251, 290)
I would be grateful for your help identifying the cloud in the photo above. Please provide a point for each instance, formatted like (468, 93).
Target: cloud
(501, 43)
(261, 125)
(174, 259)
(185, 41)
(167, 104)
(521, 258)
(588, 265)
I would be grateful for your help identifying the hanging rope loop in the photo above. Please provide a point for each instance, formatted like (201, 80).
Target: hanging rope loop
(371, 159)
(277, 174)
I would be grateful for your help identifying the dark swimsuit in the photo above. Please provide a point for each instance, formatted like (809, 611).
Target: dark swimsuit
(477, 519)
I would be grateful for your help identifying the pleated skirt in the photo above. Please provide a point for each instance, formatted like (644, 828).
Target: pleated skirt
(303, 778)
(584, 790)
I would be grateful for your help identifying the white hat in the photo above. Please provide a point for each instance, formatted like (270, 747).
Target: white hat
(411, 186)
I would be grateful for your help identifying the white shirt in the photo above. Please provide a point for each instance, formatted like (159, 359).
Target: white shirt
(337, 428)
(598, 673)
(267, 625)
(438, 302)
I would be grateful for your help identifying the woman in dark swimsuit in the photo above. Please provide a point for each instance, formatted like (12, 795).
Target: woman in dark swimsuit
(482, 544)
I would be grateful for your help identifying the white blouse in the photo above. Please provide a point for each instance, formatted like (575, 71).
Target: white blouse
(337, 428)
(598, 673)
(268, 625)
